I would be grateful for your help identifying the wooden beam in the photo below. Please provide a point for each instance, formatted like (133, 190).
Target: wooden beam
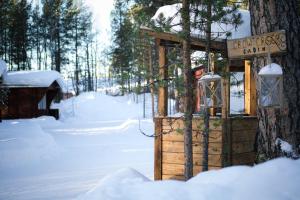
(226, 123)
(237, 65)
(250, 90)
(163, 84)
(158, 149)
(196, 43)
(226, 93)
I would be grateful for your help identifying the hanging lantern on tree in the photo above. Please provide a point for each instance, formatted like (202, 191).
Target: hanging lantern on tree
(270, 85)
(211, 92)
(210, 88)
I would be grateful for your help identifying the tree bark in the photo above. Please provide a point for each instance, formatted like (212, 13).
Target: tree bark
(206, 111)
(268, 16)
(188, 89)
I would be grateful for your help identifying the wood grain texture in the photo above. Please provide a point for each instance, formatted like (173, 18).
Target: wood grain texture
(177, 147)
(178, 158)
(243, 158)
(178, 169)
(214, 136)
(250, 90)
(158, 150)
(163, 87)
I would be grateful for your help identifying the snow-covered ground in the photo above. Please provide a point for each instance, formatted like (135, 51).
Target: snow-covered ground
(97, 134)
(95, 152)
(274, 180)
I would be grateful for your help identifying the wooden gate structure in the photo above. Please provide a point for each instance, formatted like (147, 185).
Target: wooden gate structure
(231, 138)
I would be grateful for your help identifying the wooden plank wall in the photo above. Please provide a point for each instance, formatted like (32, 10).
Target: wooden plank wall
(22, 102)
(169, 146)
(172, 155)
(243, 132)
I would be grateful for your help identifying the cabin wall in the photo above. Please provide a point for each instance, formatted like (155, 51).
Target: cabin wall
(23, 103)
(228, 145)
(171, 151)
(243, 132)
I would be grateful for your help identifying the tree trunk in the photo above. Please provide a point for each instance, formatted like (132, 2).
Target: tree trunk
(188, 101)
(206, 111)
(268, 16)
(151, 80)
(76, 59)
(88, 68)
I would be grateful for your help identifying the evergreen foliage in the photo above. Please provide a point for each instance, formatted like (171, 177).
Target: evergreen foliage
(51, 34)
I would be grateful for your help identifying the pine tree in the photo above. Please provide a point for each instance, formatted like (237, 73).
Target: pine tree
(269, 16)
(18, 34)
(5, 9)
(35, 35)
(122, 45)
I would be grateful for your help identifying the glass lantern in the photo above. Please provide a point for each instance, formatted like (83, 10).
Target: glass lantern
(270, 85)
(210, 91)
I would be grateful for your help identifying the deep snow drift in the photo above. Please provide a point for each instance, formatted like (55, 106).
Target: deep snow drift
(277, 180)
(97, 134)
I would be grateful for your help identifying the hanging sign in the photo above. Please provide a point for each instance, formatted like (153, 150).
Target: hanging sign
(257, 44)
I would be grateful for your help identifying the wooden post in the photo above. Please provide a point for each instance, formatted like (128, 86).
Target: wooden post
(226, 94)
(226, 123)
(213, 110)
(163, 84)
(158, 149)
(250, 90)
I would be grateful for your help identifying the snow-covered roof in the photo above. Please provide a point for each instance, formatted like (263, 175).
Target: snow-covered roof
(172, 14)
(271, 69)
(34, 78)
(3, 67)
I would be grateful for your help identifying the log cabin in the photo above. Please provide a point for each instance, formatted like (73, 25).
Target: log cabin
(30, 93)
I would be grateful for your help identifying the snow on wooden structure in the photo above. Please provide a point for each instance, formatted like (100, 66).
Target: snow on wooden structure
(31, 93)
(231, 138)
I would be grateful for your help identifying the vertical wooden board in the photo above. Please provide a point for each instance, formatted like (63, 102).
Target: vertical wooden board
(250, 90)
(227, 143)
(158, 149)
(163, 75)
(226, 94)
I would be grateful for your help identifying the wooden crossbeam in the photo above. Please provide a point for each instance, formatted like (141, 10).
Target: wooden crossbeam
(218, 46)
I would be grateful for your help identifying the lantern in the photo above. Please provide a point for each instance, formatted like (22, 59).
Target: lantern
(270, 85)
(210, 91)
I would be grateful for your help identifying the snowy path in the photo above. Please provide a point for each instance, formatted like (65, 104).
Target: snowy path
(88, 149)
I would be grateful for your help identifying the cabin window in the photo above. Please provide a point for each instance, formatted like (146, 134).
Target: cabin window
(43, 103)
